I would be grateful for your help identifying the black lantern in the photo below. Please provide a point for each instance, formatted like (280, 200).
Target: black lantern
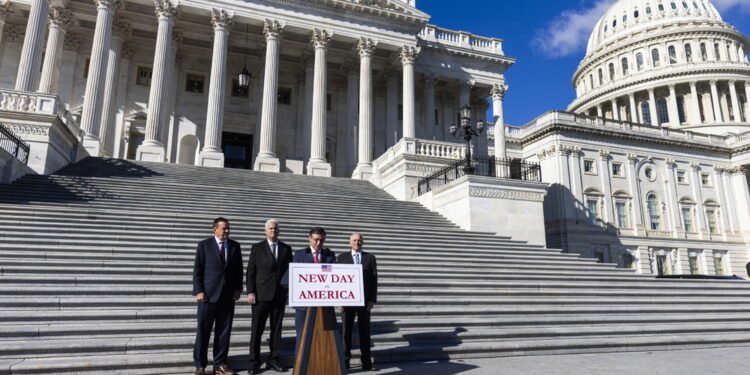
(243, 79)
(467, 133)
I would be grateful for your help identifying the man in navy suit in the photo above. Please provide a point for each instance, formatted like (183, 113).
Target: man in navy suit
(315, 253)
(217, 283)
(370, 282)
(268, 263)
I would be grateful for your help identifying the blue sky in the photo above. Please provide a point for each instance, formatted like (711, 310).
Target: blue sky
(540, 80)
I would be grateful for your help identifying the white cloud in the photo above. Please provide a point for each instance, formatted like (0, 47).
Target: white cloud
(723, 5)
(569, 32)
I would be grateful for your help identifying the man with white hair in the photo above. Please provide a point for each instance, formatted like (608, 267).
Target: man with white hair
(268, 263)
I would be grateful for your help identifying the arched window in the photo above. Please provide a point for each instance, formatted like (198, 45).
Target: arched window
(646, 111)
(655, 57)
(673, 5)
(591, 81)
(624, 66)
(653, 212)
(685, 4)
(601, 76)
(648, 10)
(661, 7)
(704, 52)
(729, 53)
(611, 71)
(661, 107)
(639, 61)
(688, 52)
(717, 52)
(672, 55)
(636, 14)
(681, 109)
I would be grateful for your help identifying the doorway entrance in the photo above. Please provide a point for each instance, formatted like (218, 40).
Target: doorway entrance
(238, 150)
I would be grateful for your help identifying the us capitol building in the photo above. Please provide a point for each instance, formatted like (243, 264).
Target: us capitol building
(647, 168)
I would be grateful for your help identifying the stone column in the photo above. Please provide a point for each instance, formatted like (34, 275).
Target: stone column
(718, 116)
(741, 198)
(674, 112)
(351, 69)
(695, 114)
(212, 155)
(408, 57)
(747, 101)
(318, 165)
(498, 95)
(633, 109)
(429, 106)
(695, 183)
(266, 159)
(93, 97)
(122, 89)
(615, 110)
(599, 110)
(652, 107)
(638, 225)
(391, 99)
(366, 110)
(606, 182)
(152, 148)
(59, 21)
(31, 58)
(464, 94)
(721, 187)
(309, 64)
(121, 28)
(671, 196)
(736, 110)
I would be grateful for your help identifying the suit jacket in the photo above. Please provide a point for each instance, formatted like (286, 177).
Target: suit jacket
(369, 273)
(305, 256)
(211, 273)
(264, 272)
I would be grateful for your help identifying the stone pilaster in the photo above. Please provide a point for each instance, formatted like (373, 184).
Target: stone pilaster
(93, 97)
(652, 108)
(366, 110)
(31, 53)
(152, 148)
(498, 96)
(736, 110)
(212, 155)
(615, 110)
(674, 113)
(408, 57)
(266, 159)
(5, 9)
(318, 165)
(59, 21)
(718, 117)
(633, 108)
(121, 29)
(391, 97)
(695, 116)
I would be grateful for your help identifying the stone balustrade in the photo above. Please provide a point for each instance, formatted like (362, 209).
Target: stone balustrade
(462, 39)
(38, 103)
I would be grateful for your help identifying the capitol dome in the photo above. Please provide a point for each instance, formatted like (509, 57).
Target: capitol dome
(669, 63)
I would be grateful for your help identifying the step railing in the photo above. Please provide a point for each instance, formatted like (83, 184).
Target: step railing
(38, 103)
(488, 166)
(13, 145)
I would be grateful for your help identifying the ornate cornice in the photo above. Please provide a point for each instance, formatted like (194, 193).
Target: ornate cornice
(272, 29)
(320, 38)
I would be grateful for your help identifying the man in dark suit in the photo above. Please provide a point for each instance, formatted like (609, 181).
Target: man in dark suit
(315, 253)
(217, 283)
(266, 267)
(370, 281)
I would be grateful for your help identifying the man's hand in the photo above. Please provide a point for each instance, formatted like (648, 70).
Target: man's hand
(370, 305)
(237, 294)
(251, 299)
(200, 297)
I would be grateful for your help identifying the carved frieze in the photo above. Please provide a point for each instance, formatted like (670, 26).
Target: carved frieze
(495, 193)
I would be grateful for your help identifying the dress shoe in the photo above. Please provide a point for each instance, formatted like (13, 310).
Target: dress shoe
(224, 370)
(200, 371)
(254, 371)
(369, 367)
(274, 366)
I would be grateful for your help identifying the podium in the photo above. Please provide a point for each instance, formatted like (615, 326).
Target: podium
(320, 351)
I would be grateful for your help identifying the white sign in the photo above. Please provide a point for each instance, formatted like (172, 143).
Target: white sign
(313, 284)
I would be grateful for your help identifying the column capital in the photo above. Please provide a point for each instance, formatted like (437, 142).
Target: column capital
(5, 9)
(693, 84)
(604, 154)
(694, 166)
(221, 20)
(127, 51)
(71, 42)
(164, 9)
(107, 4)
(429, 79)
(390, 72)
(713, 82)
(59, 17)
(671, 163)
(366, 46)
(671, 86)
(177, 37)
(121, 27)
(632, 158)
(307, 61)
(350, 67)
(320, 38)
(409, 55)
(272, 29)
(498, 91)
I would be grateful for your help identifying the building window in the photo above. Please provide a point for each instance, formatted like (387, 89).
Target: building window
(195, 83)
(86, 66)
(713, 227)
(622, 215)
(639, 61)
(627, 260)
(599, 256)
(661, 107)
(695, 268)
(662, 266)
(655, 57)
(589, 166)
(329, 104)
(400, 111)
(636, 14)
(649, 173)
(285, 96)
(719, 267)
(653, 212)
(617, 169)
(144, 76)
(717, 52)
(239, 92)
(646, 110)
(681, 109)
(625, 66)
(661, 7)
(704, 52)
(687, 219)
(672, 55)
(674, 6)
(688, 53)
(601, 77)
(611, 71)
(705, 179)
(648, 10)
(592, 207)
(681, 177)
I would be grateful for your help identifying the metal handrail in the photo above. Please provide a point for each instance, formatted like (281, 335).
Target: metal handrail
(13, 145)
(513, 169)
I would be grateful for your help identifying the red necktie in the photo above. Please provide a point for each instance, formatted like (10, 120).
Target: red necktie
(315, 257)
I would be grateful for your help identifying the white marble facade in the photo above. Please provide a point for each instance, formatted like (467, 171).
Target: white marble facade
(331, 90)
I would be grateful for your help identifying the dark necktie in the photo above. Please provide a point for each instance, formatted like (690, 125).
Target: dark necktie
(221, 251)
(356, 258)
(273, 250)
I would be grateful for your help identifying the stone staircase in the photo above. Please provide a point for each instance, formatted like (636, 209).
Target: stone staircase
(96, 262)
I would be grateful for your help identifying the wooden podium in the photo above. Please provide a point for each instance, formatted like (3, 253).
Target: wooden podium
(320, 351)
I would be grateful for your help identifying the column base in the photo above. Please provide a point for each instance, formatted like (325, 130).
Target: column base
(92, 145)
(150, 152)
(363, 172)
(319, 168)
(267, 164)
(210, 159)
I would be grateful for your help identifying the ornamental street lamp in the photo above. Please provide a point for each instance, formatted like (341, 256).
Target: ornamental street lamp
(243, 79)
(467, 132)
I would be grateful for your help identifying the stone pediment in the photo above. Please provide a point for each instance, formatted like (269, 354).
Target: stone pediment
(387, 9)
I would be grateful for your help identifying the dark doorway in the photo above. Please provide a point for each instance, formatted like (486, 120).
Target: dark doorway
(135, 141)
(238, 150)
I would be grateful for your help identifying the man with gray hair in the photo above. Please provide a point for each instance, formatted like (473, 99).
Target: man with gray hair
(268, 263)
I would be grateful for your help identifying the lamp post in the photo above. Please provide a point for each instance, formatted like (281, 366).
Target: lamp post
(467, 132)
